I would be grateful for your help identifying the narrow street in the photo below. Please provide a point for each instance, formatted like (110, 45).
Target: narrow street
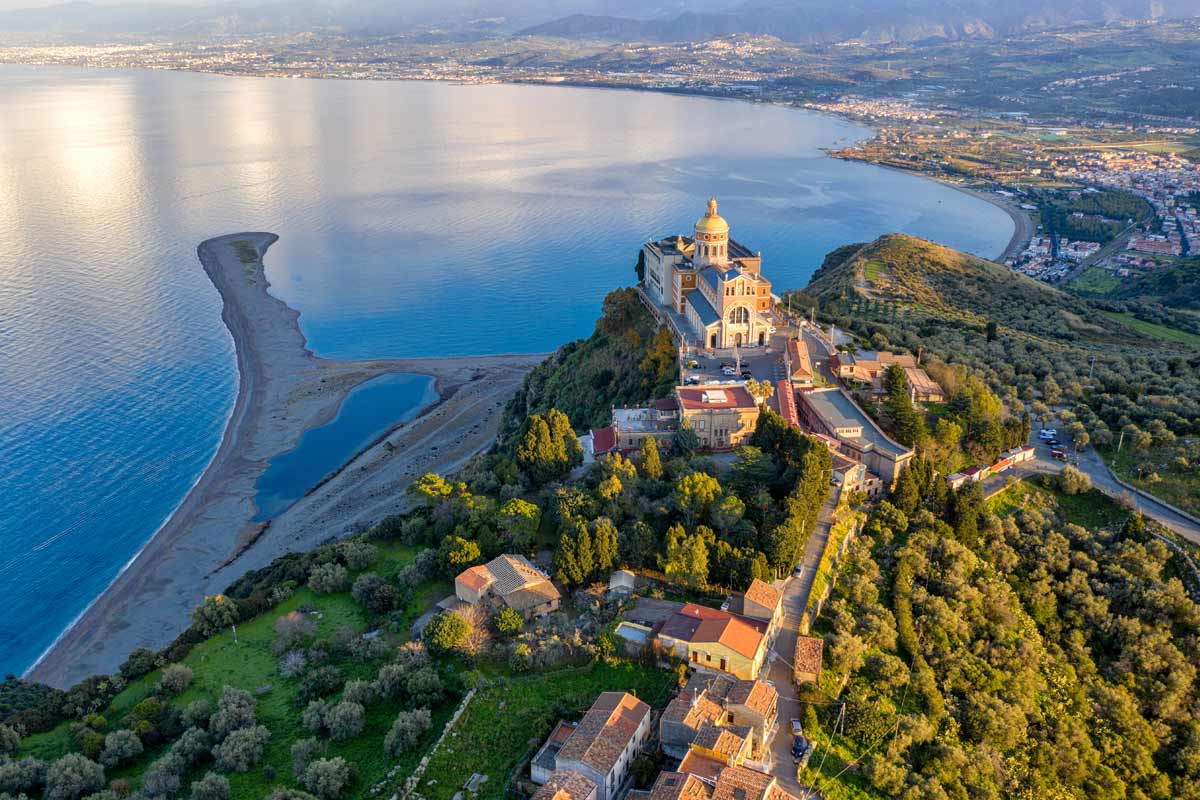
(779, 672)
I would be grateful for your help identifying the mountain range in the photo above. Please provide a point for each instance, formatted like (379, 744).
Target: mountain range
(800, 21)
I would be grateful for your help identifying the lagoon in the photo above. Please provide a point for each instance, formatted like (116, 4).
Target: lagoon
(415, 219)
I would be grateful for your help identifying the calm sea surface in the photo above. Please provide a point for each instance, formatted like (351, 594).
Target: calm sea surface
(416, 219)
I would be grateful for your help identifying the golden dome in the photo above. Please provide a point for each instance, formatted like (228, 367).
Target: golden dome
(712, 222)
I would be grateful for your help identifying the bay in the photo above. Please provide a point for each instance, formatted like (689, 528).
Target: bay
(415, 219)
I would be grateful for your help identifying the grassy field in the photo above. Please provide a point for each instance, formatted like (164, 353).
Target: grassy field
(507, 721)
(1095, 280)
(1156, 331)
(249, 663)
(874, 270)
(1091, 509)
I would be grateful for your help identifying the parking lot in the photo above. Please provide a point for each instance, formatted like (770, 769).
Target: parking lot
(703, 367)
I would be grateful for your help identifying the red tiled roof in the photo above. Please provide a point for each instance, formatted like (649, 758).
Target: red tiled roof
(701, 765)
(758, 696)
(605, 731)
(787, 403)
(809, 651)
(604, 440)
(699, 624)
(763, 593)
(475, 577)
(565, 784)
(735, 396)
(678, 786)
(666, 404)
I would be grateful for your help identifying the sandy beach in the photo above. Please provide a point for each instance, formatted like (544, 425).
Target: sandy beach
(284, 390)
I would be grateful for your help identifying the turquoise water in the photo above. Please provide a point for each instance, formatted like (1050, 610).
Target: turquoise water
(415, 219)
(368, 412)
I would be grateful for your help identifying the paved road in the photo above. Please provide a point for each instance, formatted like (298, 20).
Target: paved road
(1090, 462)
(779, 671)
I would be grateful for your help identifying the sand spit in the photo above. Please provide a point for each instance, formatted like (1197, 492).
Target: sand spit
(284, 391)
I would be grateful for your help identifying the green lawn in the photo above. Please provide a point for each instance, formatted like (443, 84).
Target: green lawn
(249, 663)
(1091, 509)
(509, 720)
(1151, 329)
(874, 270)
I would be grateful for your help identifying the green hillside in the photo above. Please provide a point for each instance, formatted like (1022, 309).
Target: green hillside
(1175, 287)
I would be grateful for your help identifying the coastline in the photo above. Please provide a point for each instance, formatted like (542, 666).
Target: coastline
(283, 390)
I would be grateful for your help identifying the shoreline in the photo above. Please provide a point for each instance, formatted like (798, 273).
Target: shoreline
(284, 390)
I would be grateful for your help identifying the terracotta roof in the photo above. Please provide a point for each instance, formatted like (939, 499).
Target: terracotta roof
(698, 624)
(679, 786)
(722, 396)
(785, 401)
(758, 696)
(476, 578)
(565, 784)
(809, 651)
(763, 593)
(740, 783)
(605, 731)
(604, 440)
(701, 765)
(666, 404)
(562, 731)
(532, 596)
(724, 741)
(693, 709)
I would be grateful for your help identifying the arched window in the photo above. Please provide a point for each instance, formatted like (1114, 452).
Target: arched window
(739, 316)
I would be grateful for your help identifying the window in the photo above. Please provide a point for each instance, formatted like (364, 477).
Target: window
(739, 316)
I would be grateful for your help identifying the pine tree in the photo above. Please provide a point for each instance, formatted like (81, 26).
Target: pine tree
(651, 461)
(604, 543)
(536, 454)
(566, 563)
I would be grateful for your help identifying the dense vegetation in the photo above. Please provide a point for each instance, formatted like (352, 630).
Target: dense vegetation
(1011, 655)
(627, 360)
(1167, 296)
(1032, 346)
(1104, 214)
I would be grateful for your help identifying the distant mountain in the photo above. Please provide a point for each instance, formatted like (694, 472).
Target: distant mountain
(801, 21)
(808, 21)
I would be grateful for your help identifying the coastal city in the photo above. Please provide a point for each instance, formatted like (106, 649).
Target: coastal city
(503, 402)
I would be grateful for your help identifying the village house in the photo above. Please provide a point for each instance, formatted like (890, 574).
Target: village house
(719, 700)
(868, 367)
(567, 785)
(806, 666)
(675, 786)
(708, 638)
(508, 581)
(601, 747)
(798, 364)
(761, 601)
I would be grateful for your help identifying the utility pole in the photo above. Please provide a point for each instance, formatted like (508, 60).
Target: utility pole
(1121, 440)
(920, 350)
(1091, 368)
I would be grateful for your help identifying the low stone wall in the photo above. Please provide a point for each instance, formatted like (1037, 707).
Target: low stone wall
(414, 780)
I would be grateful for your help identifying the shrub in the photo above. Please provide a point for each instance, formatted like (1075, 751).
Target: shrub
(216, 613)
(292, 663)
(374, 593)
(120, 747)
(196, 714)
(358, 555)
(445, 632)
(406, 731)
(165, 776)
(293, 631)
(314, 715)
(521, 658)
(19, 776)
(175, 679)
(73, 776)
(327, 778)
(320, 682)
(140, 662)
(303, 752)
(329, 578)
(211, 787)
(359, 691)
(1073, 481)
(345, 720)
(10, 741)
(390, 681)
(509, 622)
(424, 687)
(242, 749)
(192, 746)
(235, 710)
(282, 793)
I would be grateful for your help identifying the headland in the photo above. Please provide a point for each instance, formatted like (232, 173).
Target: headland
(284, 390)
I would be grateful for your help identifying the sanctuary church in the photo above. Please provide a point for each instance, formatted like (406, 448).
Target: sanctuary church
(711, 284)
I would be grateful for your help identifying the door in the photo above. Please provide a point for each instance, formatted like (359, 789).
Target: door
(762, 338)
(723, 664)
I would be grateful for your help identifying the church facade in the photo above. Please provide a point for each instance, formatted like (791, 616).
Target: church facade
(712, 282)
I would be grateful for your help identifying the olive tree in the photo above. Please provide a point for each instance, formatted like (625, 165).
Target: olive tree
(73, 776)
(242, 749)
(211, 787)
(120, 747)
(406, 731)
(327, 778)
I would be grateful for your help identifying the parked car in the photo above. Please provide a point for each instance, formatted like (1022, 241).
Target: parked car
(747, 374)
(802, 761)
(1047, 433)
(1061, 455)
(798, 572)
(691, 381)
(693, 364)
(728, 371)
(797, 728)
(800, 748)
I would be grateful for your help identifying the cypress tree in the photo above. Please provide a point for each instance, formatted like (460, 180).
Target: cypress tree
(651, 461)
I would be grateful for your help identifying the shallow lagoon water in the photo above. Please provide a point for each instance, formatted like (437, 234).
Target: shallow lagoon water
(415, 219)
(370, 410)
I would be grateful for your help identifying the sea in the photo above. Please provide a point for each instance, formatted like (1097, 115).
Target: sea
(415, 219)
